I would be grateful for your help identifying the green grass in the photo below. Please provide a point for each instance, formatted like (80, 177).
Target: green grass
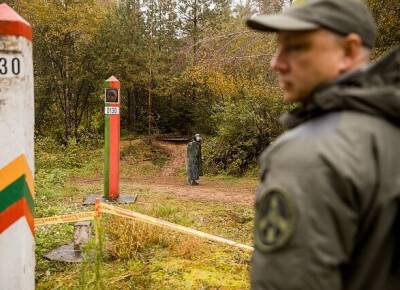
(136, 255)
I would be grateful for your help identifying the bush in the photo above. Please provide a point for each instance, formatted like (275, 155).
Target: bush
(244, 129)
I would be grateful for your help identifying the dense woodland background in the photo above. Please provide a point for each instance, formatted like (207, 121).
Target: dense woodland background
(185, 66)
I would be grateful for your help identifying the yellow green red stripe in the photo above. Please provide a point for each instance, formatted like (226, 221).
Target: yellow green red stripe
(16, 193)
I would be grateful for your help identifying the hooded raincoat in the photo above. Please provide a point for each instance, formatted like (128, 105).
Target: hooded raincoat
(328, 205)
(194, 166)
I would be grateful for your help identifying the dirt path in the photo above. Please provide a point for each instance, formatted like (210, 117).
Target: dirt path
(206, 191)
(169, 181)
(177, 157)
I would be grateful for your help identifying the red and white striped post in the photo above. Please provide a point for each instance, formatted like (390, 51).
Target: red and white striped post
(111, 138)
(17, 241)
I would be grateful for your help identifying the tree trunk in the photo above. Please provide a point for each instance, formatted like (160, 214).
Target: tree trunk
(195, 32)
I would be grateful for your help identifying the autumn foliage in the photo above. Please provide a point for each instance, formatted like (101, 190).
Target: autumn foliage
(188, 66)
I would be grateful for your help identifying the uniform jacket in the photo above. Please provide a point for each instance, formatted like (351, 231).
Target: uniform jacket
(328, 205)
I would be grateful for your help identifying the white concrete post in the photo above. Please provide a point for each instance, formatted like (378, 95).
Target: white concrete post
(17, 243)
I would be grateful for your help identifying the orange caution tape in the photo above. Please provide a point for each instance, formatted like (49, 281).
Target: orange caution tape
(68, 218)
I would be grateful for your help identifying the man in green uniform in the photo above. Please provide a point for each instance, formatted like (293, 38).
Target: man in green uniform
(328, 205)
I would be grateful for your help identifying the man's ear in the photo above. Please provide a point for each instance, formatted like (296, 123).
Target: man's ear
(353, 50)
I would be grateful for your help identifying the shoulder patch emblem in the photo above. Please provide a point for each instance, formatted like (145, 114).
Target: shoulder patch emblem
(274, 221)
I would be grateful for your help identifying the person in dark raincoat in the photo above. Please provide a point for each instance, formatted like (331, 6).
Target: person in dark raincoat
(194, 166)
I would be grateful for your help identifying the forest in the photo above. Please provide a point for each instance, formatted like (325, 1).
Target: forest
(185, 67)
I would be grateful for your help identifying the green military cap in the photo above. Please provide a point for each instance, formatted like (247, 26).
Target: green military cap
(340, 16)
